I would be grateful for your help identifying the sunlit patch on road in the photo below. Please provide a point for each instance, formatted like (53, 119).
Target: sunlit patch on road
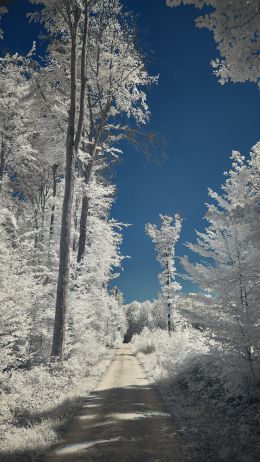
(74, 448)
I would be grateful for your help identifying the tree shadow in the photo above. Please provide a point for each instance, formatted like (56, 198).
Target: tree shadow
(131, 424)
(60, 417)
(217, 422)
(126, 424)
(121, 424)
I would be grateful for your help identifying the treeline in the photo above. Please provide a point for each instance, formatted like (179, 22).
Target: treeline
(63, 116)
(209, 366)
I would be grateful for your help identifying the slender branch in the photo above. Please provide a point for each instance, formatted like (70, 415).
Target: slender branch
(83, 78)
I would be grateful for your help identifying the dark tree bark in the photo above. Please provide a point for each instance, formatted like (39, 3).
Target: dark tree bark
(87, 177)
(64, 263)
(2, 163)
(74, 132)
(83, 228)
(84, 215)
(54, 193)
(169, 323)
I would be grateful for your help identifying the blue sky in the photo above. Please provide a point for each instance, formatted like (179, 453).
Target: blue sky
(200, 120)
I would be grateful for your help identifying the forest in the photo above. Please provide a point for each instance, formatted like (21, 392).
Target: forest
(68, 115)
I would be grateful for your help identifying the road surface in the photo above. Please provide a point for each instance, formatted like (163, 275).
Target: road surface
(122, 421)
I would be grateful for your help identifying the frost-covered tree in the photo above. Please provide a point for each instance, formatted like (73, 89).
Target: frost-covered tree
(14, 136)
(68, 21)
(165, 239)
(236, 28)
(102, 73)
(93, 305)
(229, 270)
(138, 315)
(116, 79)
(3, 11)
(17, 292)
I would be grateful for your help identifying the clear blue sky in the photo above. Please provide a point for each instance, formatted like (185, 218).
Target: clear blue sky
(200, 120)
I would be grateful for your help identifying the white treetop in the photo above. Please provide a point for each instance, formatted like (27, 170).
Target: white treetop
(165, 239)
(236, 28)
(3, 11)
(229, 247)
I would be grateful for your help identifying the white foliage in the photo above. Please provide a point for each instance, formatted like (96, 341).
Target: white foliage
(229, 268)
(165, 239)
(236, 30)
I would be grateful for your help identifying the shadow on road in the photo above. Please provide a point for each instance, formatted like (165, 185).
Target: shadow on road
(122, 421)
(120, 424)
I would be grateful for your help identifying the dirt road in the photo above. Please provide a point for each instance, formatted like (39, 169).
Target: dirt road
(122, 421)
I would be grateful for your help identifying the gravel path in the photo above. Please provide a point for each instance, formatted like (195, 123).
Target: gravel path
(122, 421)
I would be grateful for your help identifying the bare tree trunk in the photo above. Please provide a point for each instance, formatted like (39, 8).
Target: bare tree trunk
(64, 263)
(75, 220)
(83, 228)
(169, 304)
(87, 177)
(74, 133)
(2, 164)
(54, 193)
(169, 319)
(36, 236)
(43, 195)
(84, 215)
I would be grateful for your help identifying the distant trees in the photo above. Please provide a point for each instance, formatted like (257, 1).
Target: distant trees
(165, 239)
(139, 315)
(236, 29)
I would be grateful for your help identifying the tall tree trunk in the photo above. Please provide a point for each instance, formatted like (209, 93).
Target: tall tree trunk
(75, 220)
(74, 133)
(64, 263)
(2, 163)
(83, 228)
(54, 193)
(36, 235)
(43, 210)
(168, 295)
(84, 214)
(87, 177)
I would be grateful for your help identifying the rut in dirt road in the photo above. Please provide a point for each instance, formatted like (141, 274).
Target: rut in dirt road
(122, 421)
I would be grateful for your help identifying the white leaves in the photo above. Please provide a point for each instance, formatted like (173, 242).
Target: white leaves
(165, 239)
(228, 246)
(236, 30)
(3, 11)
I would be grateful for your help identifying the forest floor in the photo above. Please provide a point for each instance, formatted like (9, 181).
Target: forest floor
(123, 420)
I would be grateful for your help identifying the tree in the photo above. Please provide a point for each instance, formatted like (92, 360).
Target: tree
(13, 136)
(115, 81)
(138, 315)
(165, 239)
(93, 305)
(230, 269)
(17, 292)
(3, 11)
(236, 29)
(105, 71)
(70, 20)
